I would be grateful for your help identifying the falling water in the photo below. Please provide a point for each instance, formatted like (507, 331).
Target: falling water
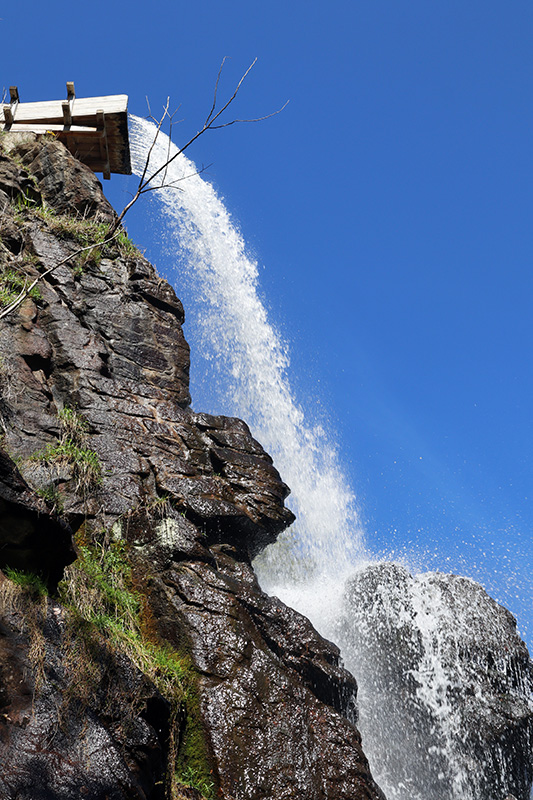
(311, 565)
(254, 367)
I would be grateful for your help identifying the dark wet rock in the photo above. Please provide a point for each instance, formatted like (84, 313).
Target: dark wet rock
(95, 410)
(55, 743)
(107, 341)
(15, 181)
(462, 723)
(65, 184)
(277, 704)
(31, 538)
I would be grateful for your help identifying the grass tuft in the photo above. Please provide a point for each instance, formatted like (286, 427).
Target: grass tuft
(72, 449)
(86, 467)
(25, 594)
(31, 583)
(12, 283)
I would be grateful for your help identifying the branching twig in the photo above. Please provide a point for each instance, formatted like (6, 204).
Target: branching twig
(212, 111)
(209, 124)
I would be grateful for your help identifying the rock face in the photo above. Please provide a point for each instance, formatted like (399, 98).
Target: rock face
(448, 690)
(158, 668)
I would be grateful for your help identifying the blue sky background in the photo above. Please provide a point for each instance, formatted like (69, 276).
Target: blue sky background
(390, 206)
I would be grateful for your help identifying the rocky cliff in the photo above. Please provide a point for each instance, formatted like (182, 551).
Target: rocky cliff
(139, 657)
(449, 687)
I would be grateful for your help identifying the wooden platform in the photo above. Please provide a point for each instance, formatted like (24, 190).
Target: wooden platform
(94, 129)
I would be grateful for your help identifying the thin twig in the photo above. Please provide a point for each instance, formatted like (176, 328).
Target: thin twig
(252, 119)
(211, 112)
(207, 126)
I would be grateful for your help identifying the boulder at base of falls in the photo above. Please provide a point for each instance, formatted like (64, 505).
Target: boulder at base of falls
(445, 686)
(152, 666)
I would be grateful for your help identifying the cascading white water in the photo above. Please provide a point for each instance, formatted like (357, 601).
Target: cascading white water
(252, 360)
(310, 566)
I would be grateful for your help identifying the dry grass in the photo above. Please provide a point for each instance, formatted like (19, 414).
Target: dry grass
(23, 597)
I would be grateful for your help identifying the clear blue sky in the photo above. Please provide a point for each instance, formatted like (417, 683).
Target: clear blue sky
(391, 207)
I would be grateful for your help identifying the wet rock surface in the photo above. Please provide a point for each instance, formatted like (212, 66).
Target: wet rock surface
(95, 412)
(56, 742)
(277, 704)
(462, 723)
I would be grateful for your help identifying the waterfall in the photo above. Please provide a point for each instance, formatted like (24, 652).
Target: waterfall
(321, 566)
(248, 357)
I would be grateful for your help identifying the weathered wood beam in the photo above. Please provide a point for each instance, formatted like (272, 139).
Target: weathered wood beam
(67, 113)
(104, 149)
(79, 130)
(14, 94)
(8, 115)
(83, 106)
(71, 94)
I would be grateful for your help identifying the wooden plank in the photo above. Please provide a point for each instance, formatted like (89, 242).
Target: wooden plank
(8, 115)
(79, 130)
(104, 149)
(14, 94)
(52, 111)
(71, 93)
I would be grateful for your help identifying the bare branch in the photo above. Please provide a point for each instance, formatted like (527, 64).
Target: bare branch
(208, 125)
(172, 184)
(253, 119)
(233, 96)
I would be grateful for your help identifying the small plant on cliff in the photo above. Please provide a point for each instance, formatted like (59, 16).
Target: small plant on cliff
(73, 426)
(23, 200)
(72, 450)
(33, 584)
(98, 239)
(86, 468)
(52, 497)
(189, 777)
(13, 282)
(125, 245)
(24, 595)
(7, 391)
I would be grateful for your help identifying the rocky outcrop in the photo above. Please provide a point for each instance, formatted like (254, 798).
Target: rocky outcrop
(448, 688)
(188, 679)
(105, 339)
